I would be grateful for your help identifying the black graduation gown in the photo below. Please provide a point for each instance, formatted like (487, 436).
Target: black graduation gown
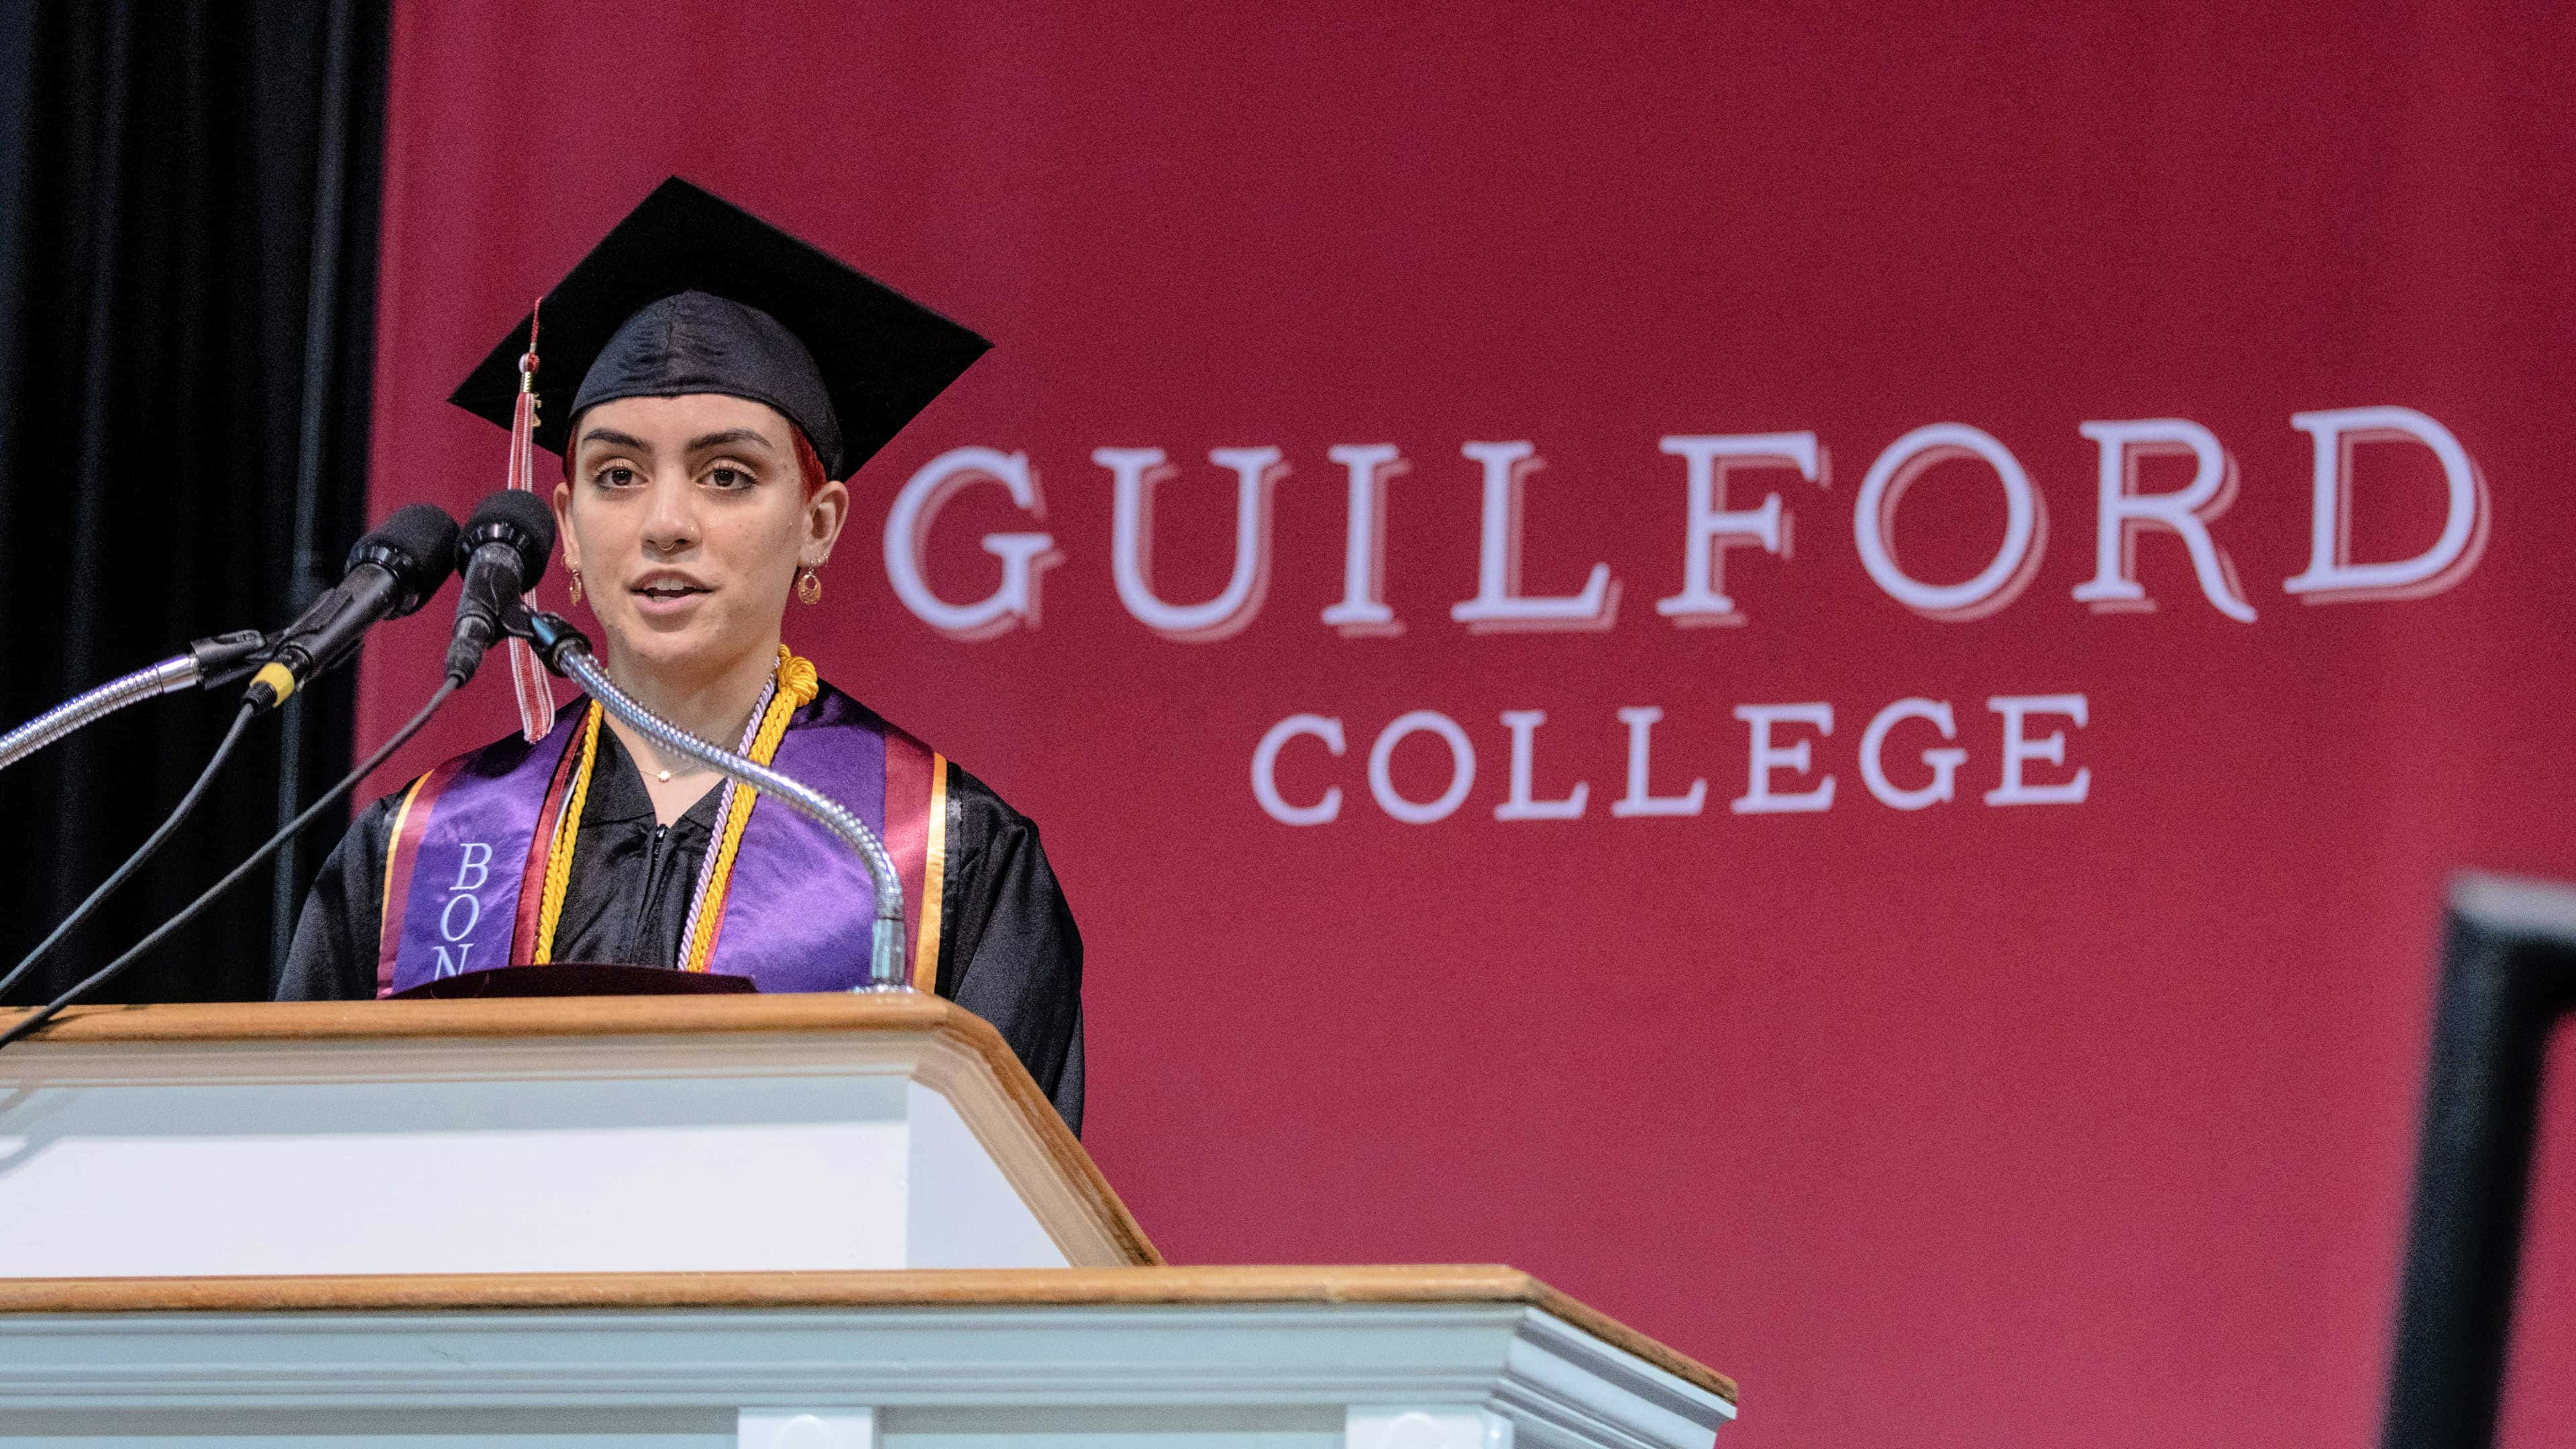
(1008, 949)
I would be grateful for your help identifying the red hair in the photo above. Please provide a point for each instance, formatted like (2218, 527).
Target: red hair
(808, 462)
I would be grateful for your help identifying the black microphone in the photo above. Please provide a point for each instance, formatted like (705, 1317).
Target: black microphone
(222, 658)
(552, 636)
(502, 554)
(392, 571)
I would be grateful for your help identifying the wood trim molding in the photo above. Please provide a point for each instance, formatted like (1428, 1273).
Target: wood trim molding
(270, 1021)
(1014, 1287)
(1069, 1167)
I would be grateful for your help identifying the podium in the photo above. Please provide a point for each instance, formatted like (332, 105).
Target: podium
(829, 1220)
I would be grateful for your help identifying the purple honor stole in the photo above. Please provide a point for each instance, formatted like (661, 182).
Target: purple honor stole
(465, 879)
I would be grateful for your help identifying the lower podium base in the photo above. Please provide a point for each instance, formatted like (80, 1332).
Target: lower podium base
(1280, 1358)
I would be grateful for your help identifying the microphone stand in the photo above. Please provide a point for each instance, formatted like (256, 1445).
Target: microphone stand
(215, 659)
(567, 653)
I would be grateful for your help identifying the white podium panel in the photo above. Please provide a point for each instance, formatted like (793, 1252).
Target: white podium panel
(1173, 1358)
(651, 1134)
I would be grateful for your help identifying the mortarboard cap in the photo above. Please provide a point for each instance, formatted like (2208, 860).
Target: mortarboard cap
(692, 294)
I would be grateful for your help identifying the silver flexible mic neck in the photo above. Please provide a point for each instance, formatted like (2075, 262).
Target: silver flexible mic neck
(224, 656)
(567, 653)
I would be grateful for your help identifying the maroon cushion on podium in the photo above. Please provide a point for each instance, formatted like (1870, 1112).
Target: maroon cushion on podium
(577, 978)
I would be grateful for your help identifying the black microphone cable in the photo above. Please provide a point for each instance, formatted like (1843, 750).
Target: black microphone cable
(109, 972)
(392, 571)
(143, 852)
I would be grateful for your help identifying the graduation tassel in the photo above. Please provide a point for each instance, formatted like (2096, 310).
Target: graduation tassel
(536, 695)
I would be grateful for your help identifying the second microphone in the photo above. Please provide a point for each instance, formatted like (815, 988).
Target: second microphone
(502, 554)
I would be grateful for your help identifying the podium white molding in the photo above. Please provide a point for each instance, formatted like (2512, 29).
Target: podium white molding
(1371, 1358)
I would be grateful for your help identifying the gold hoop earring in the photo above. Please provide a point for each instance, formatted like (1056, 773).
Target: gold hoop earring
(576, 586)
(809, 585)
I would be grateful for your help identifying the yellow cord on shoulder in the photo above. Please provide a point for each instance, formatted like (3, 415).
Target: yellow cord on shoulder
(797, 686)
(559, 849)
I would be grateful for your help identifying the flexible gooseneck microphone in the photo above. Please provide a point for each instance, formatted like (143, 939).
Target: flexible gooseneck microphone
(567, 653)
(210, 663)
(502, 553)
(392, 571)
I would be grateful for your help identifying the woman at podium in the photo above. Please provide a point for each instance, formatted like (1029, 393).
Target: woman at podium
(730, 378)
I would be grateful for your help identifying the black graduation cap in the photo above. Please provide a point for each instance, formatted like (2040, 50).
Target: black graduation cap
(691, 294)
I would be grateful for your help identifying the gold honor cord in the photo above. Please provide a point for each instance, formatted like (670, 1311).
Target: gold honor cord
(793, 687)
(796, 688)
(559, 849)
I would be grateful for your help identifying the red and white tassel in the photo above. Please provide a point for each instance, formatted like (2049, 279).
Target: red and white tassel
(536, 691)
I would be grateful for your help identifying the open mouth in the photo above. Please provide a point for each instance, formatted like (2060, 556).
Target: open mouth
(665, 592)
(666, 586)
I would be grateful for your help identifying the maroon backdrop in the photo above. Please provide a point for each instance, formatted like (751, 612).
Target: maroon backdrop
(2007, 1124)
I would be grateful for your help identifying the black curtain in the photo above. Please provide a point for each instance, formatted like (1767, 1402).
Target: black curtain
(188, 218)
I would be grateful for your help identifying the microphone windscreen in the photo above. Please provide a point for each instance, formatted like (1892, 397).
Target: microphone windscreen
(518, 518)
(417, 545)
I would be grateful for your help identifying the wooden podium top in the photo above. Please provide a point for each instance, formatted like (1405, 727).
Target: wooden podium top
(960, 1288)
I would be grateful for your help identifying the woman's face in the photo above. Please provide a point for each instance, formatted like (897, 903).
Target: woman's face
(688, 518)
